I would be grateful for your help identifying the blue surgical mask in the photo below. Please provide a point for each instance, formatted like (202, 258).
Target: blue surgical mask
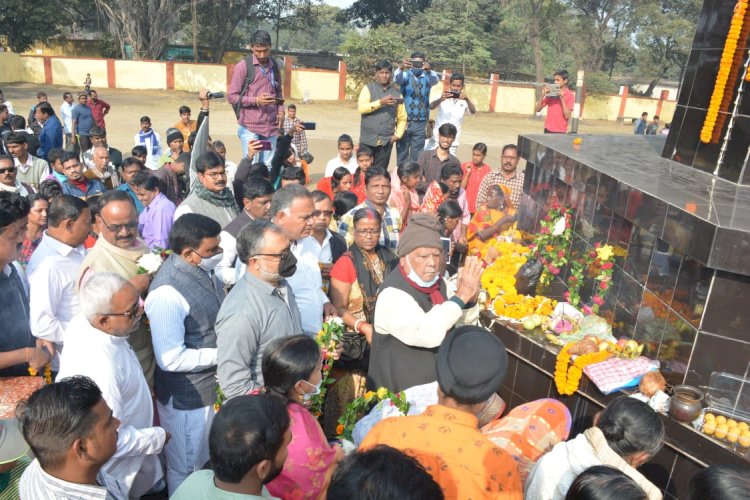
(417, 71)
(419, 281)
(309, 395)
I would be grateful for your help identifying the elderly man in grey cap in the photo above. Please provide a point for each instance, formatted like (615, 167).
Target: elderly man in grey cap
(413, 312)
(470, 366)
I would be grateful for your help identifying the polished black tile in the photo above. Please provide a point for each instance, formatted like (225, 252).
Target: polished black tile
(675, 128)
(730, 251)
(689, 135)
(650, 322)
(530, 383)
(689, 234)
(649, 213)
(713, 353)
(717, 24)
(642, 243)
(676, 348)
(688, 78)
(623, 324)
(691, 290)
(736, 157)
(664, 270)
(684, 469)
(727, 312)
(703, 85)
(659, 468)
(630, 294)
(707, 158)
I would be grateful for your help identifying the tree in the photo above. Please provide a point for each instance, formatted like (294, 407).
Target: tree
(364, 50)
(322, 31)
(146, 24)
(218, 21)
(23, 24)
(664, 38)
(376, 13)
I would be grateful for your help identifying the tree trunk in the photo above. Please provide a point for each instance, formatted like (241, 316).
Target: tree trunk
(651, 85)
(194, 11)
(536, 42)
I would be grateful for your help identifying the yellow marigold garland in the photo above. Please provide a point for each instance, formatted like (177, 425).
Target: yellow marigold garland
(725, 67)
(47, 373)
(567, 376)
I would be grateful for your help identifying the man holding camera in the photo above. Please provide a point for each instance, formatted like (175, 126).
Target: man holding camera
(415, 78)
(559, 100)
(259, 101)
(453, 105)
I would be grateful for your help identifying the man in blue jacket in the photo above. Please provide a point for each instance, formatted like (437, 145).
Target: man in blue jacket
(416, 79)
(52, 131)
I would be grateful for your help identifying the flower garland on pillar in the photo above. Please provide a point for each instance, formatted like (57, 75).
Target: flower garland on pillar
(728, 69)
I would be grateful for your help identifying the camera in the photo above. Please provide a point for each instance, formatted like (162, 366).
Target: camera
(554, 90)
(309, 125)
(417, 64)
(214, 95)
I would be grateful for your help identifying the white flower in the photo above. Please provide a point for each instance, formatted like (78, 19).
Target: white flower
(150, 262)
(559, 227)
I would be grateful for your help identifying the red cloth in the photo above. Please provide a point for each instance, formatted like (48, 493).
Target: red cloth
(324, 185)
(433, 291)
(359, 190)
(97, 110)
(472, 185)
(343, 270)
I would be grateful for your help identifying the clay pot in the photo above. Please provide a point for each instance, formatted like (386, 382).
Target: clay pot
(685, 404)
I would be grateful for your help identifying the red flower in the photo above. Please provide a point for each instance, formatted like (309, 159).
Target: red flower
(597, 244)
(561, 253)
(555, 271)
(604, 285)
(566, 295)
(607, 265)
(573, 278)
(544, 230)
(592, 254)
(598, 300)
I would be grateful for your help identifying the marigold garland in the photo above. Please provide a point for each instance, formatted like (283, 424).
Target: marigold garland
(567, 376)
(726, 64)
(47, 373)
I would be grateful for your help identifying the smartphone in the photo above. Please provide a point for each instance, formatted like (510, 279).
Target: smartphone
(279, 101)
(399, 100)
(447, 248)
(455, 95)
(309, 125)
(554, 90)
(265, 145)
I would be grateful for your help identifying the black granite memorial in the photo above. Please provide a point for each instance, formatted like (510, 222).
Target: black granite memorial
(677, 211)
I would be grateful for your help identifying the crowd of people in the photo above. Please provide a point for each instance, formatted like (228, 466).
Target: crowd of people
(173, 298)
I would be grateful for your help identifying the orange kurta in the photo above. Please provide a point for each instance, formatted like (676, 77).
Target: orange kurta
(459, 457)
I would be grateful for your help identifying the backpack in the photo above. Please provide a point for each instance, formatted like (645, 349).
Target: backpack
(250, 76)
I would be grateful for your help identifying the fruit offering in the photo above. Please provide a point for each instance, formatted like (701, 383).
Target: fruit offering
(623, 348)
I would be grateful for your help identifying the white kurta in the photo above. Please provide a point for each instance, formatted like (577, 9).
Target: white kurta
(112, 364)
(307, 284)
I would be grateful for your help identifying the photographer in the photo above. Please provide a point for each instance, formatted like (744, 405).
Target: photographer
(559, 104)
(453, 105)
(415, 78)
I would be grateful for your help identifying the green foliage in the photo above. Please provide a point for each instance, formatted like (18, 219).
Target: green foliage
(364, 50)
(376, 13)
(597, 82)
(23, 23)
(320, 30)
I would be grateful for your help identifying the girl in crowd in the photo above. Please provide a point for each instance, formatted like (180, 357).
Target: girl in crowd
(364, 161)
(339, 182)
(404, 194)
(36, 227)
(450, 214)
(292, 369)
(355, 279)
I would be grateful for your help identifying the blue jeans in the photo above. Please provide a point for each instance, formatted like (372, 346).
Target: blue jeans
(261, 156)
(412, 143)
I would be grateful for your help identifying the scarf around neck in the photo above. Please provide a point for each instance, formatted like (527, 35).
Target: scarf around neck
(433, 291)
(144, 138)
(223, 198)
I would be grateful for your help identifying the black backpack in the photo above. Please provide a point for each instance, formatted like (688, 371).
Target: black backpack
(250, 76)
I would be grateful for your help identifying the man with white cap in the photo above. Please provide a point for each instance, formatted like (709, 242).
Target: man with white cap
(471, 365)
(413, 312)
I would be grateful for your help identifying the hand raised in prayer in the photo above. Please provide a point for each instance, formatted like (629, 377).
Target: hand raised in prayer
(469, 276)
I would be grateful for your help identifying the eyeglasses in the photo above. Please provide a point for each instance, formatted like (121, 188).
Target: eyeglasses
(367, 232)
(318, 213)
(9, 170)
(510, 157)
(130, 313)
(284, 253)
(116, 228)
(215, 175)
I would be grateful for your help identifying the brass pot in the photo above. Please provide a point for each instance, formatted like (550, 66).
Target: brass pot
(686, 403)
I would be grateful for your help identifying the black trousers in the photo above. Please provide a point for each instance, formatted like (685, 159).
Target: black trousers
(381, 155)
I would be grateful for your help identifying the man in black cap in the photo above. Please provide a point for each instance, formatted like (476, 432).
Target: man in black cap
(471, 365)
(413, 312)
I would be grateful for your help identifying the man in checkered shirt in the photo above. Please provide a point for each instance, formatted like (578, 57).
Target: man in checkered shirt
(508, 175)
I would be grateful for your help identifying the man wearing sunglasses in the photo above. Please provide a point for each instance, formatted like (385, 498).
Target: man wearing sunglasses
(8, 177)
(117, 250)
(96, 346)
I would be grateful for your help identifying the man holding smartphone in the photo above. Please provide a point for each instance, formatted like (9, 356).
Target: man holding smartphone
(453, 105)
(260, 100)
(383, 115)
(415, 78)
(559, 107)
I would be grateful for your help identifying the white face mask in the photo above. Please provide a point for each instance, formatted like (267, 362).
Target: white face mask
(309, 395)
(419, 281)
(208, 264)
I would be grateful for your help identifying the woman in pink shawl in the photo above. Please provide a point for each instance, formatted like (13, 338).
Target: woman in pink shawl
(292, 369)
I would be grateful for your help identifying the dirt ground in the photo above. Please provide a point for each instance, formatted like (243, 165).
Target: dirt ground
(333, 119)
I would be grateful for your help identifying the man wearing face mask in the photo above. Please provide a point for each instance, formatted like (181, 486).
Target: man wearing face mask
(117, 250)
(413, 312)
(182, 305)
(96, 346)
(415, 78)
(260, 308)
